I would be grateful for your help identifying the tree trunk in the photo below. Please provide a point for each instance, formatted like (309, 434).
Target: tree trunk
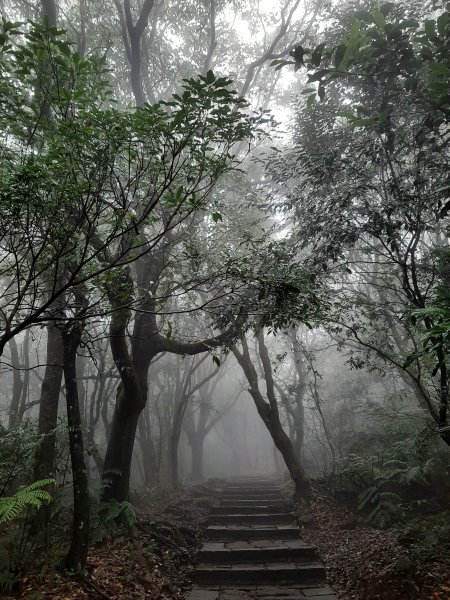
(49, 11)
(174, 440)
(18, 384)
(119, 453)
(146, 343)
(26, 377)
(77, 555)
(173, 460)
(268, 411)
(151, 476)
(130, 399)
(282, 442)
(48, 405)
(196, 443)
(277, 461)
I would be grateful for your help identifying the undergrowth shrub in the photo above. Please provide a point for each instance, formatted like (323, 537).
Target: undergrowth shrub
(17, 450)
(32, 496)
(391, 486)
(108, 517)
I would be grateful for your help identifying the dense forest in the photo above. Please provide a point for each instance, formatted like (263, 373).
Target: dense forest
(224, 255)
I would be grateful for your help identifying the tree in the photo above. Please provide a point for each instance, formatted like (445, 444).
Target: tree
(269, 410)
(202, 415)
(213, 120)
(376, 157)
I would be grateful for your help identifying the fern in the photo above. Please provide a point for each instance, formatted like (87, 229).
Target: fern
(17, 450)
(105, 516)
(380, 507)
(8, 580)
(31, 496)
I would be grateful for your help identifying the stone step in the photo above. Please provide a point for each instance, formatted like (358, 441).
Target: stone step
(246, 509)
(253, 550)
(249, 497)
(261, 518)
(262, 573)
(237, 532)
(259, 551)
(262, 592)
(252, 490)
(251, 481)
(253, 501)
(251, 494)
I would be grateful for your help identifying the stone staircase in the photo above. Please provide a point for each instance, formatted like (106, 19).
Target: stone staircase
(252, 549)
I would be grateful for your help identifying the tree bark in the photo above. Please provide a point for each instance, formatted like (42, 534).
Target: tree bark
(77, 555)
(18, 384)
(151, 470)
(49, 11)
(117, 467)
(48, 405)
(147, 343)
(26, 377)
(132, 35)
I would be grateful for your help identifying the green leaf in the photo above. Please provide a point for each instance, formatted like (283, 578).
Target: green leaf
(178, 118)
(339, 55)
(179, 193)
(297, 54)
(216, 217)
(426, 53)
(311, 100)
(363, 122)
(442, 23)
(410, 23)
(386, 8)
(316, 56)
(347, 114)
(430, 28)
(440, 69)
(65, 49)
(210, 77)
(364, 15)
(380, 21)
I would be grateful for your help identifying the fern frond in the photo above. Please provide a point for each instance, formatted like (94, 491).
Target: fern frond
(32, 495)
(105, 516)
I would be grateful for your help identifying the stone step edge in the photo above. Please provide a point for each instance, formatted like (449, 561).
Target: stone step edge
(226, 534)
(258, 556)
(211, 592)
(271, 573)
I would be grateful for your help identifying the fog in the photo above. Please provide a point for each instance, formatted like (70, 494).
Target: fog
(224, 262)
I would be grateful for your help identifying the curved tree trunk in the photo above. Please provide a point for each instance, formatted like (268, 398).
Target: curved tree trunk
(268, 411)
(133, 368)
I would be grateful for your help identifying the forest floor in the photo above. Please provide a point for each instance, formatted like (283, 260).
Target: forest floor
(155, 563)
(407, 562)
